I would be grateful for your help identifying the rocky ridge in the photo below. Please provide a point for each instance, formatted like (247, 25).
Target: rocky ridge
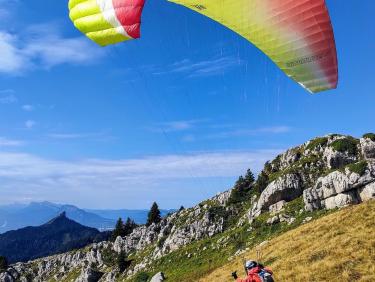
(327, 172)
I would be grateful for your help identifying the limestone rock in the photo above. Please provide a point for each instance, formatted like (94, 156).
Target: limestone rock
(367, 192)
(285, 188)
(158, 277)
(368, 148)
(339, 189)
(6, 277)
(336, 159)
(277, 207)
(89, 275)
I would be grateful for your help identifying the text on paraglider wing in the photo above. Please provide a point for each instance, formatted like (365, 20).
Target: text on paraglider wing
(306, 60)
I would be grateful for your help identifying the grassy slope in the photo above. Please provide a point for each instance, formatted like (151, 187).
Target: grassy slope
(337, 247)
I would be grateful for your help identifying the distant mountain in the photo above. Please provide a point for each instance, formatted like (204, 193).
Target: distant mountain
(139, 216)
(17, 216)
(59, 235)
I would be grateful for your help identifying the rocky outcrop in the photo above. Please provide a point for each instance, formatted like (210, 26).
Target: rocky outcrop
(368, 148)
(285, 188)
(340, 188)
(89, 275)
(335, 159)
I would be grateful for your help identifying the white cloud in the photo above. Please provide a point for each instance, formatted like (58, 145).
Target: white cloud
(178, 125)
(5, 142)
(8, 98)
(43, 46)
(30, 124)
(203, 68)
(250, 132)
(24, 175)
(28, 108)
(75, 135)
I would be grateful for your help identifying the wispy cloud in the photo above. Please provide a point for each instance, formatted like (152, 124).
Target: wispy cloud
(178, 125)
(29, 124)
(249, 132)
(28, 108)
(43, 46)
(211, 67)
(5, 142)
(7, 95)
(64, 136)
(25, 175)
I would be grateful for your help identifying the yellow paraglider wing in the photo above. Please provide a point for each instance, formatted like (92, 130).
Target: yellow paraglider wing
(296, 34)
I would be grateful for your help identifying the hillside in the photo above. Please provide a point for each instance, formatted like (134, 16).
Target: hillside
(337, 247)
(58, 235)
(305, 183)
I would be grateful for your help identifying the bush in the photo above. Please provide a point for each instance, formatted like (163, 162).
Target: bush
(370, 136)
(359, 168)
(141, 277)
(317, 142)
(3, 263)
(161, 241)
(348, 144)
(122, 262)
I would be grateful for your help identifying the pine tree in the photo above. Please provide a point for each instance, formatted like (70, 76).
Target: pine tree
(153, 215)
(3, 263)
(119, 229)
(249, 177)
(129, 226)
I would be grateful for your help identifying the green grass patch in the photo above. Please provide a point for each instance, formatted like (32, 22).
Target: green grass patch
(317, 142)
(348, 144)
(370, 136)
(359, 168)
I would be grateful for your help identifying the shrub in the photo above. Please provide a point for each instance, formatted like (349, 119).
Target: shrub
(370, 136)
(347, 144)
(141, 277)
(317, 142)
(161, 242)
(359, 168)
(122, 262)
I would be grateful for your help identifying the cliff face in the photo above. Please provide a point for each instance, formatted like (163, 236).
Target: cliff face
(324, 173)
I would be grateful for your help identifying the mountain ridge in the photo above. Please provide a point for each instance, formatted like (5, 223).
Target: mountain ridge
(58, 235)
(302, 184)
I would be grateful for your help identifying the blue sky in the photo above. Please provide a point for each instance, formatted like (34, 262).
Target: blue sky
(173, 117)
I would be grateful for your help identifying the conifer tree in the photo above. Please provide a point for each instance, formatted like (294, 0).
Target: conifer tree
(129, 226)
(153, 215)
(119, 229)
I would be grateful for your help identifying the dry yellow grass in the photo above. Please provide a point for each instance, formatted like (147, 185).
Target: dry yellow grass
(338, 247)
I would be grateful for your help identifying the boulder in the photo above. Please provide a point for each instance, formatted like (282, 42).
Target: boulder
(336, 159)
(277, 207)
(368, 148)
(340, 188)
(367, 192)
(158, 277)
(286, 188)
(89, 275)
(6, 277)
(341, 200)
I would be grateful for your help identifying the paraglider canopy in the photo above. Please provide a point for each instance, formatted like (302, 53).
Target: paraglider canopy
(296, 34)
(107, 21)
